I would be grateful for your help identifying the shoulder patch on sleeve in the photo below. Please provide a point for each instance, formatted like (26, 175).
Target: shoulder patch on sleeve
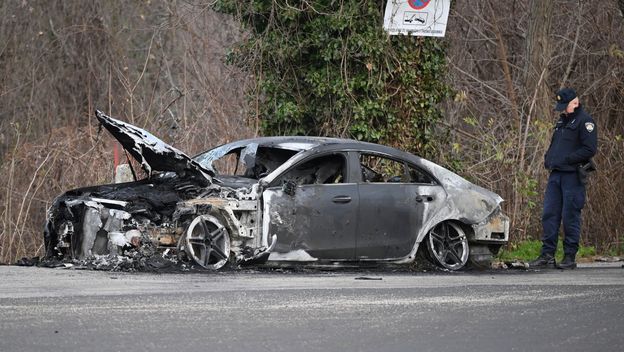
(589, 126)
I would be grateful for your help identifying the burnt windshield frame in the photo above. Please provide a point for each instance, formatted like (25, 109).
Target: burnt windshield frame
(245, 153)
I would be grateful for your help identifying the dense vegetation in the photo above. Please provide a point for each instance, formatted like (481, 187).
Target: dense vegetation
(328, 68)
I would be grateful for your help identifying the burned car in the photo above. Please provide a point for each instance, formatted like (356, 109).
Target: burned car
(311, 200)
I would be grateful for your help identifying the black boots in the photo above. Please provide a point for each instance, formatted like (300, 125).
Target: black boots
(544, 260)
(568, 262)
(548, 261)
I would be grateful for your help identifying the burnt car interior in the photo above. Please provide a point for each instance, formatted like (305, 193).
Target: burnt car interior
(325, 169)
(377, 168)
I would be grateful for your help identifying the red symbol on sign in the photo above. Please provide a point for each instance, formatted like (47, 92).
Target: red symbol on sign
(418, 4)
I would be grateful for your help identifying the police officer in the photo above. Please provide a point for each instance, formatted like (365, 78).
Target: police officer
(572, 146)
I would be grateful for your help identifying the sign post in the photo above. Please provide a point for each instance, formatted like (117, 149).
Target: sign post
(417, 17)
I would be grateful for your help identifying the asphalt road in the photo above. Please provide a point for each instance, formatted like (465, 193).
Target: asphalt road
(70, 310)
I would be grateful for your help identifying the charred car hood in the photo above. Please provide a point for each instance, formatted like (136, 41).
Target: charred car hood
(153, 153)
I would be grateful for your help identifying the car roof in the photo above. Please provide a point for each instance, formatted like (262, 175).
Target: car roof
(294, 142)
(304, 143)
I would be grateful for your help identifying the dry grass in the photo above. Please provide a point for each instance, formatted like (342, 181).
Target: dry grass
(157, 64)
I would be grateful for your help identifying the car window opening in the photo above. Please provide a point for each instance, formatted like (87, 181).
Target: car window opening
(327, 169)
(379, 169)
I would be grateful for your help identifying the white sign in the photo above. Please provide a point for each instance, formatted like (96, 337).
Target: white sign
(417, 17)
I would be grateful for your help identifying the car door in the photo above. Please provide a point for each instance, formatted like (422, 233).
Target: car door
(313, 207)
(395, 200)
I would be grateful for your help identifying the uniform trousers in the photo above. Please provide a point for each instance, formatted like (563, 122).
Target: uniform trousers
(564, 200)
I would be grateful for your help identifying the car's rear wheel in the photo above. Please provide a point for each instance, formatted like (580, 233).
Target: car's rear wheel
(207, 242)
(447, 245)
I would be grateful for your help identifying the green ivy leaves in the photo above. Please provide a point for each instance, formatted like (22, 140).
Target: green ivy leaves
(326, 67)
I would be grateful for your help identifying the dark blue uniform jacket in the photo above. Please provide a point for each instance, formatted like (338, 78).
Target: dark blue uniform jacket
(573, 142)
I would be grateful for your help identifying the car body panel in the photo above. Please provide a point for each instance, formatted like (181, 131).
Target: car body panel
(315, 219)
(388, 217)
(152, 153)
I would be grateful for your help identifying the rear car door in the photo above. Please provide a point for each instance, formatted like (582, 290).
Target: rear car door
(395, 199)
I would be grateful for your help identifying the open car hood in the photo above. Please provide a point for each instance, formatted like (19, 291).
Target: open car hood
(153, 153)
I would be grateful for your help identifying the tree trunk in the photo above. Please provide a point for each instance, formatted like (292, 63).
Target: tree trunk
(538, 45)
(538, 52)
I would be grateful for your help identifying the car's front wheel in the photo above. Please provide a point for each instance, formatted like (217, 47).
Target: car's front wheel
(447, 245)
(207, 242)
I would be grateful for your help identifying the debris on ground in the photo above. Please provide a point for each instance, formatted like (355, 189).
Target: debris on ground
(517, 264)
(607, 259)
(498, 265)
(514, 264)
(25, 261)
